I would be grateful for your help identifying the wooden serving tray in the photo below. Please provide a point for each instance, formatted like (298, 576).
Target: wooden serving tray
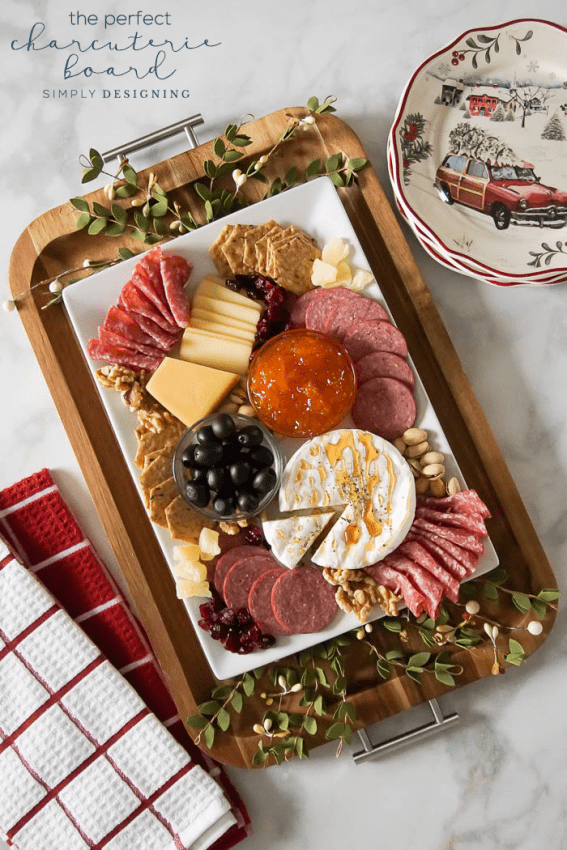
(51, 244)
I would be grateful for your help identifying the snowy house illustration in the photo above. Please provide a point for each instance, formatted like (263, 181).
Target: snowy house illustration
(452, 92)
(484, 100)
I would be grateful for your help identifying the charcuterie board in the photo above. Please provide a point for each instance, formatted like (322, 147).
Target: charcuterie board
(51, 244)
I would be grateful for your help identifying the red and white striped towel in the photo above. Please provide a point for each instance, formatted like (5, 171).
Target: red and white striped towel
(83, 760)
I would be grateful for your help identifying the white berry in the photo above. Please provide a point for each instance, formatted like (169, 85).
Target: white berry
(56, 286)
(472, 607)
(535, 628)
(8, 306)
(86, 264)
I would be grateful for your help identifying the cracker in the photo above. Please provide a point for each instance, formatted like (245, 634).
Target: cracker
(149, 442)
(160, 497)
(215, 251)
(183, 522)
(293, 263)
(233, 249)
(291, 232)
(156, 472)
(261, 248)
(250, 240)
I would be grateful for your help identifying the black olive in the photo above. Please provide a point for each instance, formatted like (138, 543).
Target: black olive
(215, 478)
(223, 506)
(261, 456)
(198, 494)
(188, 456)
(247, 502)
(240, 472)
(206, 435)
(264, 480)
(208, 455)
(250, 435)
(223, 426)
(198, 474)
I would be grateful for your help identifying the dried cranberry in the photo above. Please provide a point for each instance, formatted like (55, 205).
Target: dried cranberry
(227, 617)
(232, 285)
(262, 329)
(266, 641)
(232, 642)
(243, 617)
(275, 313)
(251, 634)
(254, 536)
(275, 296)
(218, 631)
(205, 625)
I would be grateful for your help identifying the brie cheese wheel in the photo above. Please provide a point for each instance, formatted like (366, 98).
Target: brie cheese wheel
(291, 537)
(367, 476)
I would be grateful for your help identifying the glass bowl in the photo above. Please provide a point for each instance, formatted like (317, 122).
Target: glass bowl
(302, 383)
(182, 476)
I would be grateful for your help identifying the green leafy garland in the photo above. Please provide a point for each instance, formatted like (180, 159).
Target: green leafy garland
(316, 680)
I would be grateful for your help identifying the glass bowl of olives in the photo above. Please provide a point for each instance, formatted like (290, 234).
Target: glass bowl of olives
(228, 466)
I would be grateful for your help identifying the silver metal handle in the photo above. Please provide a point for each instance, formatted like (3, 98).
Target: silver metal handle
(186, 125)
(372, 751)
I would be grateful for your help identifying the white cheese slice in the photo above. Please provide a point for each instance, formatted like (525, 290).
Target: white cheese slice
(222, 319)
(227, 308)
(291, 537)
(222, 330)
(213, 287)
(369, 477)
(215, 351)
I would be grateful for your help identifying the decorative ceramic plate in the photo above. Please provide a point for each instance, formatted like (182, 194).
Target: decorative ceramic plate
(317, 209)
(478, 153)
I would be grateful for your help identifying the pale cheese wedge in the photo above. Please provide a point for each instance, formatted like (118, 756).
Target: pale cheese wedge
(226, 308)
(215, 352)
(223, 319)
(201, 332)
(291, 537)
(190, 390)
(213, 287)
(221, 330)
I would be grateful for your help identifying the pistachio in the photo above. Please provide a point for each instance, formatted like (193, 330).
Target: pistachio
(453, 486)
(228, 407)
(418, 449)
(431, 457)
(433, 470)
(422, 486)
(400, 445)
(413, 436)
(247, 410)
(437, 487)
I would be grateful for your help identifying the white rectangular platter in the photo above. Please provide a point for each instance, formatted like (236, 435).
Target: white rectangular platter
(316, 208)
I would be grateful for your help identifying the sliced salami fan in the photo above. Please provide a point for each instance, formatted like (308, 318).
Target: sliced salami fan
(449, 561)
(98, 350)
(226, 561)
(367, 337)
(419, 554)
(303, 601)
(468, 559)
(175, 273)
(386, 407)
(133, 300)
(455, 535)
(384, 364)
(470, 522)
(465, 502)
(260, 603)
(426, 583)
(110, 338)
(163, 339)
(119, 321)
(352, 312)
(399, 584)
(241, 577)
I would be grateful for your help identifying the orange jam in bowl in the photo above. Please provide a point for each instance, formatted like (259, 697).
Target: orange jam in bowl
(302, 383)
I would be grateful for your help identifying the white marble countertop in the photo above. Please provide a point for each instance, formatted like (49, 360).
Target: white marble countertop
(498, 780)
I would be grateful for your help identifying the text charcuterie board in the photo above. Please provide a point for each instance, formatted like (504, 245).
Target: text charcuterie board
(51, 244)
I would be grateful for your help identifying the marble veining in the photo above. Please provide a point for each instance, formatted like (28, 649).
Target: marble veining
(497, 781)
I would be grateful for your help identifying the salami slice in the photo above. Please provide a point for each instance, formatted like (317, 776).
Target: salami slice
(152, 289)
(134, 300)
(98, 350)
(384, 364)
(399, 584)
(468, 559)
(367, 337)
(449, 561)
(303, 601)
(111, 338)
(470, 522)
(119, 321)
(320, 309)
(299, 309)
(455, 535)
(349, 313)
(465, 502)
(385, 407)
(175, 273)
(163, 339)
(426, 583)
(260, 603)
(226, 561)
(414, 550)
(241, 577)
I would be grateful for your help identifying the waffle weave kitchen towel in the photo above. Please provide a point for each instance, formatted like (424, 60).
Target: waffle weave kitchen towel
(84, 760)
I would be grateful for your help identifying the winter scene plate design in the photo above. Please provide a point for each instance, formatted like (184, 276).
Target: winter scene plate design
(479, 153)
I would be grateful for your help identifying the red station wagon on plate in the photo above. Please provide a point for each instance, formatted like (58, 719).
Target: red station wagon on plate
(509, 193)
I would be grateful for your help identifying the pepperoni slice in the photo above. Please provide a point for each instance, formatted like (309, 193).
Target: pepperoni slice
(303, 601)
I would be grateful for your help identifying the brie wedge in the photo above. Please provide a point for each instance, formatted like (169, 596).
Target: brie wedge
(370, 478)
(291, 537)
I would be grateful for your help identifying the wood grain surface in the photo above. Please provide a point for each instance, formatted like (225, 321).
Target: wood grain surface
(51, 244)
